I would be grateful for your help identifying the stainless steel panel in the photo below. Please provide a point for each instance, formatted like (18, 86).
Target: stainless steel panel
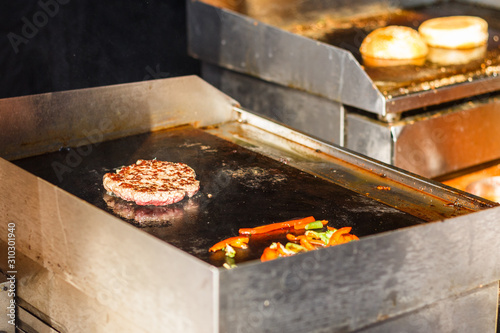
(369, 137)
(32, 124)
(474, 308)
(314, 115)
(245, 45)
(29, 323)
(431, 144)
(445, 94)
(462, 136)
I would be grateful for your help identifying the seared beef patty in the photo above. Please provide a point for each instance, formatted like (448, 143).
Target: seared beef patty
(152, 182)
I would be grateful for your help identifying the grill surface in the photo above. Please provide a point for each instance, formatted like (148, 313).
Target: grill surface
(239, 188)
(401, 80)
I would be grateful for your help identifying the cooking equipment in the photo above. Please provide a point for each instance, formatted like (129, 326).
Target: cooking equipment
(84, 265)
(299, 62)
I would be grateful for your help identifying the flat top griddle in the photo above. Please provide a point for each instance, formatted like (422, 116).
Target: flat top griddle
(400, 80)
(239, 188)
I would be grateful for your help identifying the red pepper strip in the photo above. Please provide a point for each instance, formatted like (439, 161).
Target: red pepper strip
(350, 237)
(269, 254)
(276, 226)
(336, 238)
(268, 237)
(305, 243)
(316, 242)
(238, 241)
(293, 238)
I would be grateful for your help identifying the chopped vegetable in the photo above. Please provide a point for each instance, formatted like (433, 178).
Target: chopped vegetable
(299, 241)
(292, 237)
(230, 252)
(269, 254)
(295, 247)
(296, 224)
(283, 251)
(322, 236)
(314, 225)
(303, 225)
(309, 241)
(230, 263)
(337, 237)
(305, 243)
(238, 241)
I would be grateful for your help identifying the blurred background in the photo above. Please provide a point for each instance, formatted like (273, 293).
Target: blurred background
(55, 45)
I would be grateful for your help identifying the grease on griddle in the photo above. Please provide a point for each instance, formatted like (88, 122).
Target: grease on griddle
(204, 148)
(256, 177)
(349, 32)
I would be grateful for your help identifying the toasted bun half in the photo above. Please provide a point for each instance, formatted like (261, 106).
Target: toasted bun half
(455, 32)
(398, 44)
(442, 56)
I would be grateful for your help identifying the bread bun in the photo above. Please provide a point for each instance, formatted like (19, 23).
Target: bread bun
(455, 32)
(447, 57)
(393, 45)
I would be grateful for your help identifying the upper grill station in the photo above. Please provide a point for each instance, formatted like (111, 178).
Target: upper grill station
(299, 62)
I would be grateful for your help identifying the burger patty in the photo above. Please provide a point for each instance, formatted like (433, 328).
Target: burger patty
(152, 182)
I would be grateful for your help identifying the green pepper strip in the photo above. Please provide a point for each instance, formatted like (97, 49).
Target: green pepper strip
(295, 247)
(314, 225)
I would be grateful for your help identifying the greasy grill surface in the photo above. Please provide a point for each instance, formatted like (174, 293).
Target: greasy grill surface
(396, 81)
(238, 188)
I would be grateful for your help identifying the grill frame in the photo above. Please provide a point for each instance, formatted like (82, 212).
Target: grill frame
(70, 252)
(260, 47)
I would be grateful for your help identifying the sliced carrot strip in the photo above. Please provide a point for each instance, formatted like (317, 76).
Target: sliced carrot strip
(276, 226)
(237, 241)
